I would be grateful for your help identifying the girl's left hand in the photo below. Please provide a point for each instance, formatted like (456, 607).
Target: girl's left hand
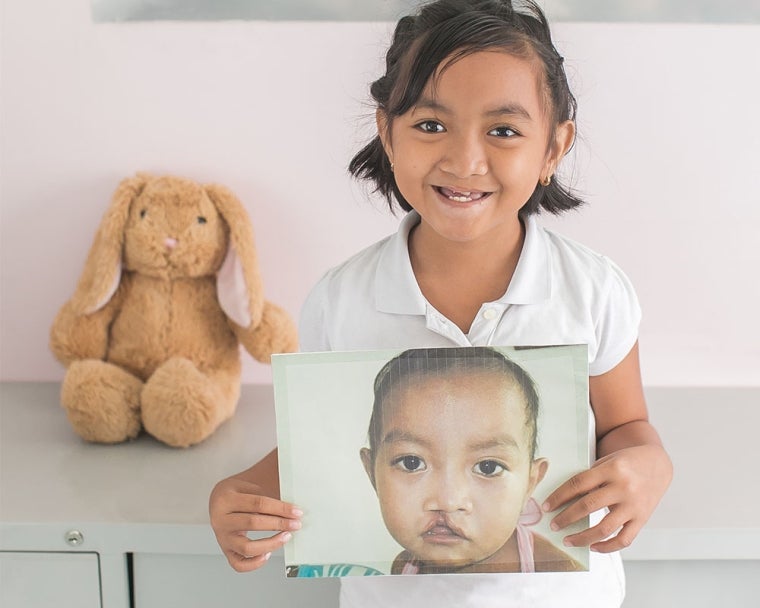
(629, 482)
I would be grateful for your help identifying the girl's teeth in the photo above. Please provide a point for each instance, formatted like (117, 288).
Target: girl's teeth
(461, 197)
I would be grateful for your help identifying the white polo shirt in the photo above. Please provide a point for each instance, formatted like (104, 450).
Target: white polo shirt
(561, 293)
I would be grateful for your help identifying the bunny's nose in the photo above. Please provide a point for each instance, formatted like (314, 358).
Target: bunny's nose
(170, 242)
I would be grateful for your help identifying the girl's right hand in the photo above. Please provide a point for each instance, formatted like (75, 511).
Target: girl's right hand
(237, 506)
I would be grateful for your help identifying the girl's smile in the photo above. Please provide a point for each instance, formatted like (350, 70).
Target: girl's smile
(461, 196)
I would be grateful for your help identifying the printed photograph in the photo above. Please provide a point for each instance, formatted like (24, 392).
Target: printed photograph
(430, 460)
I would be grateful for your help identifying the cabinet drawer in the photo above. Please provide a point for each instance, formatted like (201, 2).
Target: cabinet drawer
(49, 580)
(200, 581)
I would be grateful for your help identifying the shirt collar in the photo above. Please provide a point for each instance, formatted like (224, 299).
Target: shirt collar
(532, 281)
(397, 291)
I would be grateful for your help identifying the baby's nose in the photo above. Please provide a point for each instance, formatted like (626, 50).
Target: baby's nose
(449, 493)
(170, 242)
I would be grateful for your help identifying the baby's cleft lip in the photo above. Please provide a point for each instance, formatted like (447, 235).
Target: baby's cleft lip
(442, 530)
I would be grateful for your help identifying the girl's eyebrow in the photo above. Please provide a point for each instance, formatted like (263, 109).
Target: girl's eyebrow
(508, 109)
(511, 109)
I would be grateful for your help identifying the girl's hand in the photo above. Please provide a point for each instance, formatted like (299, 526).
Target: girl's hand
(629, 482)
(237, 506)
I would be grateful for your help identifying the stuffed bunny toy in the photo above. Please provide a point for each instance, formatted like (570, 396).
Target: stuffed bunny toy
(151, 336)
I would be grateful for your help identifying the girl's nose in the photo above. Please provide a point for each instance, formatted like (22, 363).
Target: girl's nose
(465, 156)
(448, 492)
(170, 242)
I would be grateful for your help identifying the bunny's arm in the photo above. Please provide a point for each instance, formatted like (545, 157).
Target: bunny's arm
(276, 333)
(75, 335)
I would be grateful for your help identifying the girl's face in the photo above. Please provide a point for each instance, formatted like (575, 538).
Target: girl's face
(469, 155)
(453, 467)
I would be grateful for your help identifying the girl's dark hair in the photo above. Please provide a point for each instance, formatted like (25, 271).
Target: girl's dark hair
(452, 29)
(419, 363)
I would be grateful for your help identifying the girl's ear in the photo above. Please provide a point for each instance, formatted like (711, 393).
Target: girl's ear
(102, 270)
(383, 132)
(238, 281)
(563, 140)
(366, 457)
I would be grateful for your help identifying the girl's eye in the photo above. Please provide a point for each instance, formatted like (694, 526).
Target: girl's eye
(503, 132)
(430, 126)
(201, 219)
(489, 468)
(410, 464)
(143, 212)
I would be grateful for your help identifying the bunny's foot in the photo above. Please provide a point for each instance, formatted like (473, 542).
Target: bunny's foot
(181, 406)
(102, 401)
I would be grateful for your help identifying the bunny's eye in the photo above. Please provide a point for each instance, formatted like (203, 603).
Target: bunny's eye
(201, 219)
(143, 212)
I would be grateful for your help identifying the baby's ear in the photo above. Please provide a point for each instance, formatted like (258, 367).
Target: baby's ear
(538, 470)
(366, 456)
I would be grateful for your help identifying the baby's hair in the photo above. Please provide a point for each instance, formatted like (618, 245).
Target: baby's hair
(418, 363)
(445, 31)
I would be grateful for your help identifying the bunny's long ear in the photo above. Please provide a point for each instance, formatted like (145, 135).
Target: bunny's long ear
(102, 270)
(238, 282)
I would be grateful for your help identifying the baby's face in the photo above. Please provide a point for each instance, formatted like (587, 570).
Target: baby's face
(453, 467)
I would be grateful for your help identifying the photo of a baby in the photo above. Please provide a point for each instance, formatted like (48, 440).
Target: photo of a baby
(452, 459)
(451, 453)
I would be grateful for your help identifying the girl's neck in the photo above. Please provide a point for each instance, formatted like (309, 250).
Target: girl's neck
(457, 278)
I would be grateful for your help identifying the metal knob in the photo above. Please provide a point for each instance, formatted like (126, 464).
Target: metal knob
(74, 538)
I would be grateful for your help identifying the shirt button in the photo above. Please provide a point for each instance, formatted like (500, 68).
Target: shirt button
(490, 314)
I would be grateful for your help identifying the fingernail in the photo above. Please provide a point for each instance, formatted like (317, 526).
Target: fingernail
(295, 525)
(554, 526)
(286, 536)
(546, 507)
(297, 513)
(267, 556)
(567, 542)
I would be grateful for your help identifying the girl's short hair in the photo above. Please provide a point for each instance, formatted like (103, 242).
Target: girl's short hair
(419, 363)
(447, 30)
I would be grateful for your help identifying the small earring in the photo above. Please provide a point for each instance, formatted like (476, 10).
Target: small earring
(546, 181)
(392, 165)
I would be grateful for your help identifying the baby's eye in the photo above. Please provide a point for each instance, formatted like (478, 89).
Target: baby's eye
(430, 126)
(143, 212)
(489, 468)
(201, 219)
(410, 464)
(503, 132)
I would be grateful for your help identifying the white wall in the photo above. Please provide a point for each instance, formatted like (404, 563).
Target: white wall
(668, 159)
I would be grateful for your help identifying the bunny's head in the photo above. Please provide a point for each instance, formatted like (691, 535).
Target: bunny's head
(171, 228)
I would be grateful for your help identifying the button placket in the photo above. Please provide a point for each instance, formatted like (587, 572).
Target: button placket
(485, 324)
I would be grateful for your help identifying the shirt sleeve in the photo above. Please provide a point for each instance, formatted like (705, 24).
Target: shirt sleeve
(312, 326)
(617, 324)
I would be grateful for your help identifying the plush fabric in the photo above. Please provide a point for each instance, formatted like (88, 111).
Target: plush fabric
(169, 291)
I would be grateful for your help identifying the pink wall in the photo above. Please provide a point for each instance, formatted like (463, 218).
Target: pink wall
(668, 158)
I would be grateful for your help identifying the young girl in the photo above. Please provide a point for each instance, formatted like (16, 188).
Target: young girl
(474, 115)
(452, 458)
